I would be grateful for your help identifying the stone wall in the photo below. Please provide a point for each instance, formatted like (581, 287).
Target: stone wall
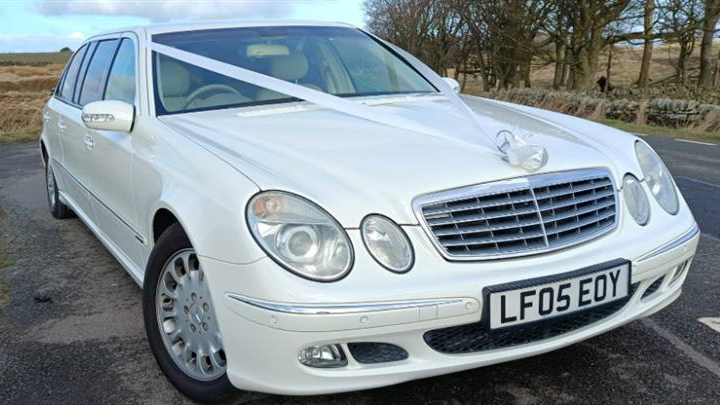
(659, 111)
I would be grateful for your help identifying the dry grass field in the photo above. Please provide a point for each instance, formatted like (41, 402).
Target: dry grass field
(34, 58)
(23, 92)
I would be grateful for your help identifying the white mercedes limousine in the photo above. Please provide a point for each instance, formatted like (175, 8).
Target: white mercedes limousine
(310, 209)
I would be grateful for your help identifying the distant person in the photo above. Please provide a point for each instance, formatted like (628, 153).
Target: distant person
(602, 84)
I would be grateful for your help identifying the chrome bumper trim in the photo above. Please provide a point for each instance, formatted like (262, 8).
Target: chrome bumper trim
(691, 233)
(339, 309)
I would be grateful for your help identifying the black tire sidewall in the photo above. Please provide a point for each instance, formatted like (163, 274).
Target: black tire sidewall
(58, 210)
(170, 242)
(53, 207)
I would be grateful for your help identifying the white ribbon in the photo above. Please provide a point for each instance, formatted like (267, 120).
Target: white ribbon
(513, 149)
(304, 93)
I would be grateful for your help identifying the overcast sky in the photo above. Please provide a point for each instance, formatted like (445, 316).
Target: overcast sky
(48, 25)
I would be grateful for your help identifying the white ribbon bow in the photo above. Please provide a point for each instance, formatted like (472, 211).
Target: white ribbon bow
(519, 152)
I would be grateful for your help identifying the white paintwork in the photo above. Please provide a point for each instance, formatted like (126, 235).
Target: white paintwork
(204, 167)
(454, 85)
(109, 115)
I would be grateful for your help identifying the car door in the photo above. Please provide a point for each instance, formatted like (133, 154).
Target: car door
(111, 159)
(50, 112)
(63, 112)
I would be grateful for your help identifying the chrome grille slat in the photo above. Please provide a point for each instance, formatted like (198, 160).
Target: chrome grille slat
(520, 216)
(574, 201)
(580, 211)
(477, 205)
(473, 218)
(558, 193)
(492, 239)
(577, 225)
(486, 228)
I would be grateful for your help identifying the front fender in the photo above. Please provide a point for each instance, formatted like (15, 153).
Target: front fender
(205, 194)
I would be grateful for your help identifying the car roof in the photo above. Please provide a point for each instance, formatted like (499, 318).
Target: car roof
(203, 25)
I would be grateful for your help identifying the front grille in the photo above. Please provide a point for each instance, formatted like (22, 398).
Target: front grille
(478, 337)
(372, 353)
(520, 216)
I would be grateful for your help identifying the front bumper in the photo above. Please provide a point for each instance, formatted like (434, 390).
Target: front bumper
(262, 337)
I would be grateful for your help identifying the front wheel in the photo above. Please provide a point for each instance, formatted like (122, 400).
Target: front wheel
(180, 320)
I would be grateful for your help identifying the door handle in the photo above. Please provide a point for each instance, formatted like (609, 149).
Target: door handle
(61, 125)
(88, 141)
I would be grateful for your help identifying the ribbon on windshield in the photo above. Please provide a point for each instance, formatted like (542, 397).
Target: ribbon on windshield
(515, 150)
(320, 98)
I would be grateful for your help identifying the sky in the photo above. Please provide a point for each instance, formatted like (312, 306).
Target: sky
(49, 25)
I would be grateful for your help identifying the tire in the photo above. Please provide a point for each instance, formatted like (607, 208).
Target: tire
(174, 247)
(57, 209)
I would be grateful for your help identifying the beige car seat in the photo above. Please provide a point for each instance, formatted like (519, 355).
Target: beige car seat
(174, 83)
(293, 68)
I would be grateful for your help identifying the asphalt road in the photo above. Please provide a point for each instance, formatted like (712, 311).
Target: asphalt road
(87, 343)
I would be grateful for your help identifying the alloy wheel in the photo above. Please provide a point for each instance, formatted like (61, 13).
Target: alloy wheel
(187, 320)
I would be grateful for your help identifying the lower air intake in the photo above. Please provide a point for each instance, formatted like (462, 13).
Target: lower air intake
(372, 353)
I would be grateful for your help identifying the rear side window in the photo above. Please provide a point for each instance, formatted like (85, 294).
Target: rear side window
(121, 80)
(94, 84)
(83, 68)
(71, 73)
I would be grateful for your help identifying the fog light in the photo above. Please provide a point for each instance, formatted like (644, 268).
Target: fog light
(323, 356)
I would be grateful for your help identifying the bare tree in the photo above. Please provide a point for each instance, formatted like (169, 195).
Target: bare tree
(428, 29)
(707, 62)
(648, 23)
(679, 22)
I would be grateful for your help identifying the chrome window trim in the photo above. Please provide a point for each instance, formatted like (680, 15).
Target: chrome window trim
(338, 309)
(509, 185)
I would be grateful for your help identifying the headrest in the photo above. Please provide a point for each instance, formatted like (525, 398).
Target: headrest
(174, 78)
(265, 50)
(289, 67)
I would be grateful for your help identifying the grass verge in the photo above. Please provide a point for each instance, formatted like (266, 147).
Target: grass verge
(25, 136)
(713, 137)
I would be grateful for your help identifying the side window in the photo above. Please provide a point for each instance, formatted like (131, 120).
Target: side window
(71, 73)
(121, 80)
(94, 83)
(83, 69)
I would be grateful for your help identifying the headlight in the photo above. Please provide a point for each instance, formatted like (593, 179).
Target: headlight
(300, 235)
(635, 199)
(387, 243)
(657, 177)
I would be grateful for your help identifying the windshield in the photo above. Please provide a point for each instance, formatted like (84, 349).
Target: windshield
(342, 61)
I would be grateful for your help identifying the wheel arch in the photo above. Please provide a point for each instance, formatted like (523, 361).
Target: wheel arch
(43, 152)
(162, 220)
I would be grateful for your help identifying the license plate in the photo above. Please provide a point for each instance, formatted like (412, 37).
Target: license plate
(540, 299)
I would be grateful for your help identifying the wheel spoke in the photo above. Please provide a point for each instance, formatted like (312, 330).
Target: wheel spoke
(186, 318)
(216, 360)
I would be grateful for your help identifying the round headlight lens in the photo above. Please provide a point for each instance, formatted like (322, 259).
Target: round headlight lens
(635, 199)
(657, 178)
(300, 235)
(387, 243)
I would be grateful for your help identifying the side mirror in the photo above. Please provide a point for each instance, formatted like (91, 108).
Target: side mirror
(109, 115)
(454, 85)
